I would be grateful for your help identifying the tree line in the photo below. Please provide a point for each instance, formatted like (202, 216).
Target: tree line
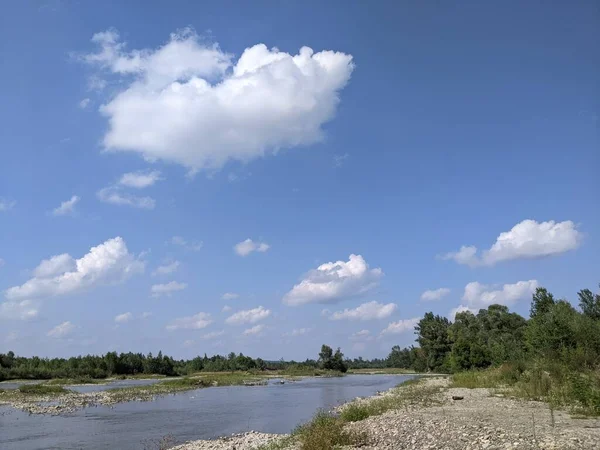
(555, 333)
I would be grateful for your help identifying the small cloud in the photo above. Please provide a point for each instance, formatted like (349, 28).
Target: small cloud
(402, 326)
(433, 295)
(147, 314)
(167, 268)
(167, 288)
(191, 246)
(96, 83)
(298, 332)
(62, 330)
(212, 335)
(229, 296)
(123, 318)
(334, 281)
(338, 160)
(67, 207)
(362, 335)
(6, 205)
(248, 246)
(140, 179)
(196, 322)
(83, 104)
(114, 196)
(366, 311)
(248, 316)
(254, 331)
(226, 308)
(526, 240)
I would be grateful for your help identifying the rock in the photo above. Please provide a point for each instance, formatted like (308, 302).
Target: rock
(457, 397)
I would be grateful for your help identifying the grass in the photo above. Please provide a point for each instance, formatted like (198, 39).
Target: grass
(552, 383)
(325, 432)
(386, 370)
(42, 389)
(307, 371)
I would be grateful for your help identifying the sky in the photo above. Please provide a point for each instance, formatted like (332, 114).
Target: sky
(266, 177)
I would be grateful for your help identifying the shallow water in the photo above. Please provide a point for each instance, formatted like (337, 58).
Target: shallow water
(200, 414)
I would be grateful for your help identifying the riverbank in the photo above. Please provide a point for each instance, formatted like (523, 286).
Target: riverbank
(429, 414)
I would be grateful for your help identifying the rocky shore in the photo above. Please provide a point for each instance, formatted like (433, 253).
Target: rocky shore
(477, 419)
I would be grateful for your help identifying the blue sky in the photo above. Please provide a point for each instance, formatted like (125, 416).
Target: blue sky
(408, 135)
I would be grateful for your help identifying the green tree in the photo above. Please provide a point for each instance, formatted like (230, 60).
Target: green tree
(326, 357)
(589, 303)
(432, 336)
(541, 302)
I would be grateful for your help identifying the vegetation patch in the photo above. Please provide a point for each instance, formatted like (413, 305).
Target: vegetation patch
(325, 432)
(42, 389)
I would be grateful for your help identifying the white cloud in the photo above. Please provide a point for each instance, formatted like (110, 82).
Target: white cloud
(229, 296)
(248, 246)
(167, 268)
(366, 311)
(298, 332)
(107, 263)
(527, 239)
(192, 246)
(140, 179)
(188, 102)
(255, 330)
(334, 281)
(338, 160)
(226, 308)
(19, 310)
(56, 265)
(212, 335)
(248, 316)
(362, 335)
(124, 318)
(6, 205)
(66, 207)
(167, 288)
(459, 309)
(84, 103)
(402, 326)
(62, 330)
(196, 322)
(115, 196)
(479, 295)
(147, 314)
(436, 294)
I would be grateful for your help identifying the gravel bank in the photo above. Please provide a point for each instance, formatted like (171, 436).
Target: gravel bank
(481, 420)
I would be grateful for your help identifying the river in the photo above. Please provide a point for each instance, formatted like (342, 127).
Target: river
(199, 414)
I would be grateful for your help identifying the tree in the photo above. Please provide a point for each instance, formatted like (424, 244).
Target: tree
(337, 362)
(541, 302)
(589, 303)
(432, 332)
(325, 357)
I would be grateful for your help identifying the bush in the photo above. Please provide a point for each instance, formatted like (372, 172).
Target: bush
(42, 389)
(355, 412)
(325, 432)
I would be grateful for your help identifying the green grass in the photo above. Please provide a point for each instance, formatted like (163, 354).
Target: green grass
(42, 389)
(325, 432)
(385, 370)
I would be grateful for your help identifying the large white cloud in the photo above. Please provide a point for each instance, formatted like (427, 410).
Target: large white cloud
(401, 326)
(479, 295)
(189, 102)
(334, 281)
(107, 263)
(366, 311)
(435, 294)
(62, 330)
(248, 246)
(527, 239)
(195, 322)
(67, 207)
(248, 316)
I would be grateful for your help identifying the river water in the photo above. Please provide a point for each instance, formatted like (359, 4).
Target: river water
(200, 414)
